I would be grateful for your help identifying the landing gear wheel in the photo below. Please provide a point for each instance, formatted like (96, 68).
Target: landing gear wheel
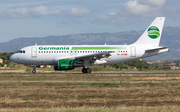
(88, 70)
(33, 71)
(84, 70)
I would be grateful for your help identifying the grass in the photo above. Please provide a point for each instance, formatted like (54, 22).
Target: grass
(98, 109)
(89, 93)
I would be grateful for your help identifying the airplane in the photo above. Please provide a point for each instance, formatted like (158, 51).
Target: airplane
(67, 57)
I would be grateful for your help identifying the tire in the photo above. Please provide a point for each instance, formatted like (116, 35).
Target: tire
(84, 70)
(33, 71)
(88, 70)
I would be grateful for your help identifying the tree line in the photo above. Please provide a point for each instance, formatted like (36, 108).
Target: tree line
(5, 56)
(138, 64)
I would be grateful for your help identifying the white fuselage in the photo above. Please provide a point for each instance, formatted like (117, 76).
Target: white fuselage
(49, 54)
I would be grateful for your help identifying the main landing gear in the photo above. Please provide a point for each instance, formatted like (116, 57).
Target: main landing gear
(34, 69)
(86, 70)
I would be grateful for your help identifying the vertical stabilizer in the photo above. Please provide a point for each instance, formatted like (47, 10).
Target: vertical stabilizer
(152, 34)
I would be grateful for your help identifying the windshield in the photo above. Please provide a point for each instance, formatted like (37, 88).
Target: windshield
(21, 51)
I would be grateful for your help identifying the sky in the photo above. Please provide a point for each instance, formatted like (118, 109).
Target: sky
(42, 18)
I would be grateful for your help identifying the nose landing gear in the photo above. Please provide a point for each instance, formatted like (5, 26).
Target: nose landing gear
(34, 69)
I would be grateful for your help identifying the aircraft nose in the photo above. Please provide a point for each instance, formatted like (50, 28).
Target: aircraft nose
(12, 58)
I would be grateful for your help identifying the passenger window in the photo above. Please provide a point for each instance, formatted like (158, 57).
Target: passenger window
(54, 51)
(49, 51)
(67, 51)
(23, 51)
(41, 51)
(46, 51)
(64, 51)
(57, 51)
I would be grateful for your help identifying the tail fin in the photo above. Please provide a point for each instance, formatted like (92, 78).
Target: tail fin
(152, 34)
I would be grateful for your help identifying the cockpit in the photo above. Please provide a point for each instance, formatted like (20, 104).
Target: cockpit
(21, 51)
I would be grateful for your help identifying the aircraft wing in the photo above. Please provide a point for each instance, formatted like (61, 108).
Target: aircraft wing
(89, 58)
(99, 55)
(94, 58)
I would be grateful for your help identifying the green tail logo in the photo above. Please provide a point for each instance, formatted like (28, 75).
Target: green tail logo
(153, 32)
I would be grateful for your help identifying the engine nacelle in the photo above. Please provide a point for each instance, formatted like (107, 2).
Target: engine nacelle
(65, 65)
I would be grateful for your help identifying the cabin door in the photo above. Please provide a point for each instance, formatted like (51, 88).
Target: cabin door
(34, 52)
(133, 51)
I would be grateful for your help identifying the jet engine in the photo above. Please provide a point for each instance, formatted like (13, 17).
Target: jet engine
(65, 65)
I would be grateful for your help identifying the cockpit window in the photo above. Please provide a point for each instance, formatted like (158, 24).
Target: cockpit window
(21, 51)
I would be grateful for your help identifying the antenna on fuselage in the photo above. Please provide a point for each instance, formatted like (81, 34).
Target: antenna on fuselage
(36, 44)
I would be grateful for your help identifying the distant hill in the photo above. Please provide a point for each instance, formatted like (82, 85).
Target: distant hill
(170, 38)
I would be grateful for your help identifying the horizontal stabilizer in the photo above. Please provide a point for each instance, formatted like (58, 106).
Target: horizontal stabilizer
(156, 49)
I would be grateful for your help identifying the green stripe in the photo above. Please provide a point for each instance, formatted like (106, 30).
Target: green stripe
(97, 48)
